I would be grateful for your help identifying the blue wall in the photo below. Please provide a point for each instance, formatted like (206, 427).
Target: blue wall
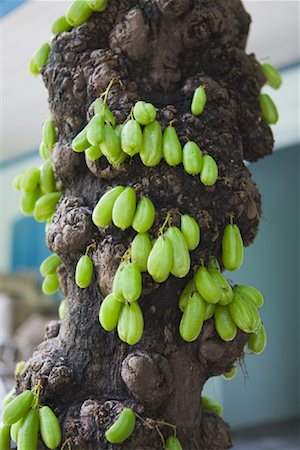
(272, 265)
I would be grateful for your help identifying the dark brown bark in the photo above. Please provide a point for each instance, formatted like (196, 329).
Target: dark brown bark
(160, 50)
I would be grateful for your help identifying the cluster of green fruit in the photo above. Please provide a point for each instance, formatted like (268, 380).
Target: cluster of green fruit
(48, 269)
(23, 418)
(268, 107)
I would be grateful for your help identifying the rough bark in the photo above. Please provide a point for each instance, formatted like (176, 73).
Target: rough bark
(160, 51)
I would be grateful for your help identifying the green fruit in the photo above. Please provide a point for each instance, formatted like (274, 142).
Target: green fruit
(93, 153)
(268, 109)
(144, 113)
(272, 75)
(49, 428)
(131, 323)
(118, 282)
(4, 437)
(78, 13)
(206, 286)
(209, 171)
(185, 294)
(80, 142)
(173, 443)
(15, 430)
(111, 145)
(97, 5)
(60, 25)
(131, 137)
(46, 206)
(9, 397)
(49, 134)
(251, 293)
(44, 152)
(39, 59)
(47, 179)
(171, 146)
(50, 284)
(181, 256)
(17, 181)
(102, 214)
(29, 200)
(122, 428)
(118, 159)
(212, 405)
(118, 130)
(32, 67)
(226, 289)
(151, 151)
(49, 265)
(30, 179)
(131, 283)
(232, 247)
(17, 407)
(160, 260)
(109, 312)
(95, 130)
(244, 314)
(257, 341)
(192, 158)
(199, 101)
(210, 309)
(84, 272)
(28, 431)
(19, 367)
(214, 264)
(62, 309)
(144, 216)
(103, 109)
(140, 250)
(124, 209)
(191, 231)
(193, 316)
(231, 374)
(224, 324)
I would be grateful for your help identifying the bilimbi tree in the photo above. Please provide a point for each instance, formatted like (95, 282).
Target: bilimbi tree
(154, 107)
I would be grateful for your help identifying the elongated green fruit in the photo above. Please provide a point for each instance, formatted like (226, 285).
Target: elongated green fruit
(15, 430)
(47, 179)
(251, 293)
(131, 323)
(19, 367)
(80, 142)
(45, 206)
(84, 272)
(173, 443)
(4, 436)
(231, 374)
(43, 151)
(257, 341)
(9, 397)
(60, 25)
(97, 5)
(226, 289)
(144, 113)
(181, 256)
(206, 286)
(49, 134)
(122, 428)
(78, 13)
(224, 323)
(140, 250)
(244, 314)
(17, 181)
(193, 316)
(50, 284)
(49, 265)
(111, 145)
(28, 431)
(232, 247)
(171, 146)
(214, 264)
(191, 231)
(30, 179)
(210, 309)
(62, 309)
(29, 200)
(272, 75)
(199, 101)
(151, 151)
(185, 294)
(17, 407)
(131, 283)
(93, 153)
(102, 214)
(32, 67)
(118, 159)
(144, 216)
(39, 59)
(95, 130)
(160, 260)
(49, 428)
(211, 404)
(109, 312)
(131, 137)
(118, 282)
(103, 109)
(192, 158)
(268, 109)
(124, 209)
(209, 171)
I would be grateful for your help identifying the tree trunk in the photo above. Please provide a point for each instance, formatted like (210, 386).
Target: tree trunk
(158, 51)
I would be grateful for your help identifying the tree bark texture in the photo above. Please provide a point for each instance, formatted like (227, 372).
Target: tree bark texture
(159, 51)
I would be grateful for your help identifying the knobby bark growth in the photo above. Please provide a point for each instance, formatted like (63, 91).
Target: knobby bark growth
(160, 51)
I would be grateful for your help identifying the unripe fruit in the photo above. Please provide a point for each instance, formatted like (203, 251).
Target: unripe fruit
(224, 324)
(60, 25)
(124, 209)
(80, 141)
(257, 341)
(97, 5)
(28, 431)
(95, 130)
(144, 216)
(191, 231)
(109, 312)
(49, 136)
(193, 317)
(45, 206)
(192, 158)
(50, 284)
(140, 250)
(122, 428)
(47, 179)
(244, 314)
(131, 137)
(226, 289)
(209, 171)
(181, 256)
(49, 265)
(49, 427)
(144, 113)
(78, 13)
(84, 272)
(17, 407)
(131, 283)
(251, 293)
(268, 109)
(185, 294)
(160, 260)
(232, 247)
(102, 214)
(171, 146)
(206, 286)
(199, 101)
(173, 443)
(151, 151)
(4, 437)
(131, 323)
(231, 374)
(30, 179)
(212, 405)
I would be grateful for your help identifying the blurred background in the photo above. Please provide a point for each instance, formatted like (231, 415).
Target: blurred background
(262, 404)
